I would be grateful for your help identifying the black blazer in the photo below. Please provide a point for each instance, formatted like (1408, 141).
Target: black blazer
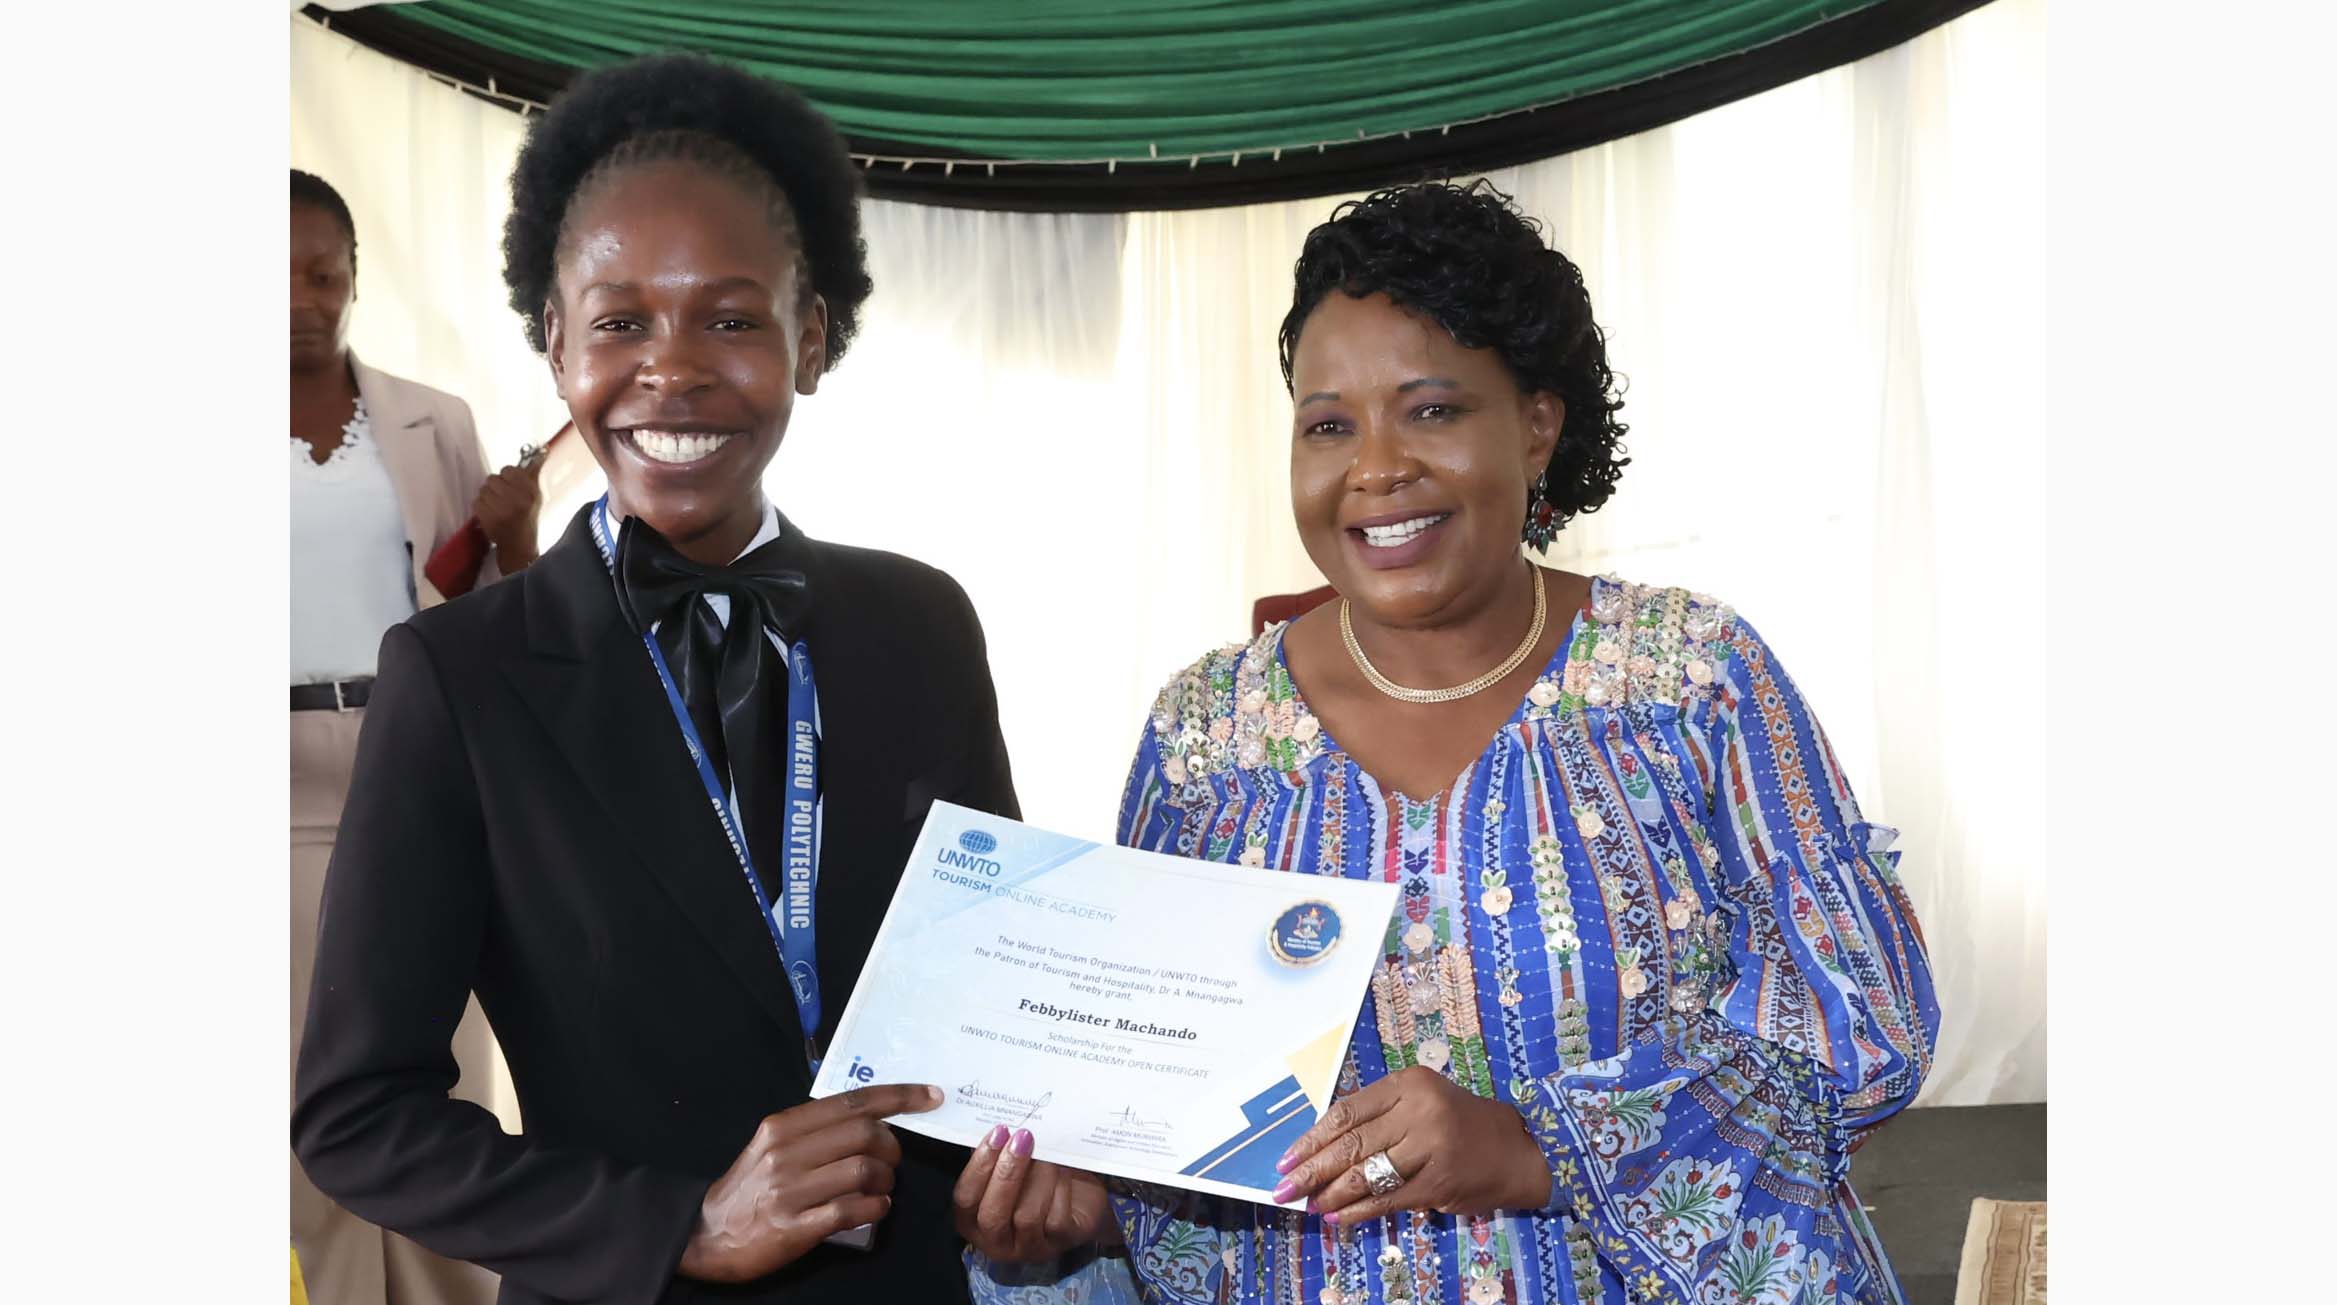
(525, 822)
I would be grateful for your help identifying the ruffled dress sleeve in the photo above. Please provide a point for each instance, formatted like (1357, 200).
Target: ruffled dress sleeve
(1708, 1159)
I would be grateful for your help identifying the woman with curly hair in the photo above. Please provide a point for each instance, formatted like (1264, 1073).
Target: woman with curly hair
(650, 798)
(1652, 979)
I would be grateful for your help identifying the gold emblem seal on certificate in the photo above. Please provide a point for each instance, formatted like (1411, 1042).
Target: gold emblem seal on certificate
(1304, 934)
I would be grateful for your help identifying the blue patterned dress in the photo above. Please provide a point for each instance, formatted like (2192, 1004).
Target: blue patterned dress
(1649, 916)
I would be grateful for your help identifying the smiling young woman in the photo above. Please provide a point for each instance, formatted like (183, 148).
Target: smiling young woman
(1653, 976)
(680, 328)
(574, 795)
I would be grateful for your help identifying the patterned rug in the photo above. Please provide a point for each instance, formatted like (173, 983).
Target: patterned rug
(2004, 1254)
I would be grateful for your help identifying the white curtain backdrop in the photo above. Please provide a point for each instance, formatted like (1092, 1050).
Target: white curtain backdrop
(1829, 302)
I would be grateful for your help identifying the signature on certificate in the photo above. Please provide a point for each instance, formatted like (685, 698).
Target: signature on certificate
(1128, 1118)
(1004, 1103)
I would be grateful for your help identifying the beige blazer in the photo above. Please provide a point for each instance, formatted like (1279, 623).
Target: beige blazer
(432, 449)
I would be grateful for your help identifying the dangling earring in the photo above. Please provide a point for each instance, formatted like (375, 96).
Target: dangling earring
(1541, 518)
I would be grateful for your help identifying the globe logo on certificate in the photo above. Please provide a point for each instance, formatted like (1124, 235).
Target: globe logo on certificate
(1304, 934)
(978, 842)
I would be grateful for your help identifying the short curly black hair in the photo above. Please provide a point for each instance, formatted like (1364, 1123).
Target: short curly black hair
(1465, 257)
(311, 189)
(689, 107)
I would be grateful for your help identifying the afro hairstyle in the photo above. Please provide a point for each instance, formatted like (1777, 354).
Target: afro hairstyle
(692, 108)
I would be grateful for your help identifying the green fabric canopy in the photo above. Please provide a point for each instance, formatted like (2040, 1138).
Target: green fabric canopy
(1095, 80)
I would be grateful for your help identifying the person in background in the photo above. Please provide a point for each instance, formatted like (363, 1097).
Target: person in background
(384, 470)
(651, 798)
(1653, 977)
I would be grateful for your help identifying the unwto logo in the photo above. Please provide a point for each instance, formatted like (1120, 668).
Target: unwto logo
(973, 853)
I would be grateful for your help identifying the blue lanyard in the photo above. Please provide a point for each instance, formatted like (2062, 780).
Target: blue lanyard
(792, 921)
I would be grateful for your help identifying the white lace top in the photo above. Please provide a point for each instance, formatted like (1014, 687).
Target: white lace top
(352, 578)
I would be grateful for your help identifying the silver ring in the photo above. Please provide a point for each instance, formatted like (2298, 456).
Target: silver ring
(1380, 1172)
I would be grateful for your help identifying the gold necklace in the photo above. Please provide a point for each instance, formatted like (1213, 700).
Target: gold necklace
(1458, 691)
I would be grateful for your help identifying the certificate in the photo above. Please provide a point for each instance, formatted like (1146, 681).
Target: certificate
(1157, 1018)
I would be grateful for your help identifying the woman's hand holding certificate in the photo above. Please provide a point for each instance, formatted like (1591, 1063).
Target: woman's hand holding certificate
(1445, 1148)
(806, 1175)
(1016, 1210)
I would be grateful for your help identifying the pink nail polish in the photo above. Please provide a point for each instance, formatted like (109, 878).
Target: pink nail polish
(996, 1139)
(1288, 1162)
(1331, 1218)
(1022, 1141)
(1285, 1192)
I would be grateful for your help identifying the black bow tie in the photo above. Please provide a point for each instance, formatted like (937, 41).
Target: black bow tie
(729, 676)
(654, 579)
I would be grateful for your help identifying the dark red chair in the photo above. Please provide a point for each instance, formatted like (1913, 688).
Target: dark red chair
(1287, 607)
